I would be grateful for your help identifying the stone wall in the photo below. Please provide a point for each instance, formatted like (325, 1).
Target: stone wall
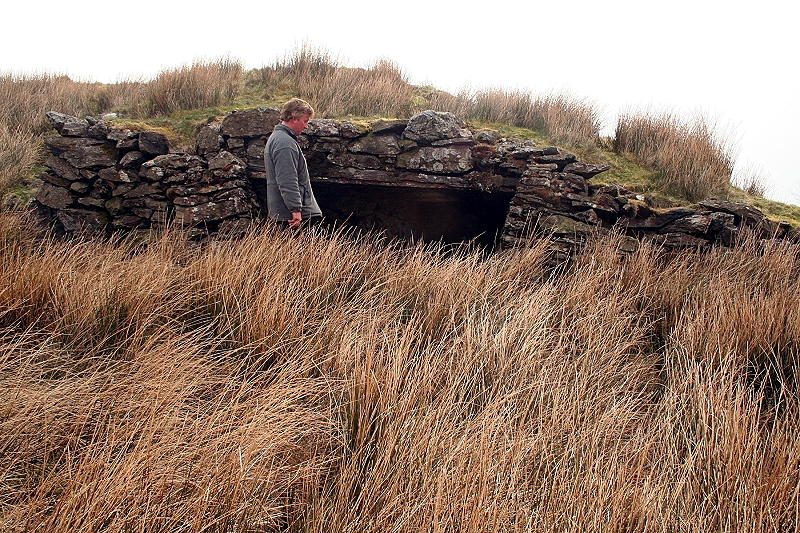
(101, 179)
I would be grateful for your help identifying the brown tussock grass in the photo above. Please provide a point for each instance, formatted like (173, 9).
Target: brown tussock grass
(24, 100)
(691, 159)
(381, 89)
(560, 117)
(19, 152)
(750, 180)
(384, 90)
(335, 90)
(326, 383)
(201, 84)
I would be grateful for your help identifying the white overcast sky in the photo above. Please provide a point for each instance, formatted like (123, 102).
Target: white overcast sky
(737, 63)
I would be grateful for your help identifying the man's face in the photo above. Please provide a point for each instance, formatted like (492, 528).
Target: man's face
(298, 124)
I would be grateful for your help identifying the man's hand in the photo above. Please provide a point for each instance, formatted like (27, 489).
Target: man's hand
(297, 218)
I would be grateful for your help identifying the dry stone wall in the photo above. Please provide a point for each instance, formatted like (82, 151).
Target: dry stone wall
(101, 179)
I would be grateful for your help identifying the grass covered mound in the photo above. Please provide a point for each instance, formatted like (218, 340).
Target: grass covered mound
(673, 161)
(330, 383)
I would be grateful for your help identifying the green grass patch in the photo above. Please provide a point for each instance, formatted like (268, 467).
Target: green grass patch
(627, 172)
(25, 188)
(775, 210)
(517, 132)
(157, 125)
(180, 127)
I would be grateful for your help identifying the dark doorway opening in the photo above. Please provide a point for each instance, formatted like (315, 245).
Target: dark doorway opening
(428, 214)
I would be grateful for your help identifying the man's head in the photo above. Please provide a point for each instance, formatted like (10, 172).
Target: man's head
(295, 115)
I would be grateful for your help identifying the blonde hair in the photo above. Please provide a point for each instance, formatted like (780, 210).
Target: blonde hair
(296, 108)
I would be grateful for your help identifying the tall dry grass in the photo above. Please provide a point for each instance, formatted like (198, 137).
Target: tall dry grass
(691, 158)
(750, 179)
(24, 100)
(338, 384)
(383, 89)
(297, 66)
(19, 152)
(337, 90)
(201, 84)
(560, 117)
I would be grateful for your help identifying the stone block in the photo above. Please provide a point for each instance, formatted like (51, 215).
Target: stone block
(132, 159)
(92, 202)
(389, 126)
(376, 145)
(585, 170)
(441, 160)
(250, 123)
(54, 196)
(326, 127)
(697, 224)
(152, 143)
(209, 139)
(255, 155)
(430, 126)
(67, 125)
(487, 136)
(83, 221)
(79, 187)
(54, 179)
(61, 167)
(82, 153)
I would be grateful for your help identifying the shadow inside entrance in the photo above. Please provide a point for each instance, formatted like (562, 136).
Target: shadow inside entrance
(427, 214)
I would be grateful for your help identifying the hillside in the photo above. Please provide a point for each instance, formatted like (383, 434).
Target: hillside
(643, 153)
(340, 381)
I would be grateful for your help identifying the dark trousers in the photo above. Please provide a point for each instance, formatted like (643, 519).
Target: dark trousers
(260, 189)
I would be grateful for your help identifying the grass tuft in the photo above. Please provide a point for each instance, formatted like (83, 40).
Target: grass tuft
(558, 117)
(750, 181)
(19, 153)
(690, 159)
(203, 84)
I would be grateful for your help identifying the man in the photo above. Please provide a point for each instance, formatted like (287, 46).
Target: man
(290, 199)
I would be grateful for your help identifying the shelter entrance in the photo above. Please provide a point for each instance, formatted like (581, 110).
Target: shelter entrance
(427, 214)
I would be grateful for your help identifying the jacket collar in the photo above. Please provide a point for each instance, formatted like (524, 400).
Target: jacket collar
(288, 130)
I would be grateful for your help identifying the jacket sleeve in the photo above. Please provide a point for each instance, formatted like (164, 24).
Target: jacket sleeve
(284, 161)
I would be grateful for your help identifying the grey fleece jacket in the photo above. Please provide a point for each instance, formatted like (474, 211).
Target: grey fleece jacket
(288, 182)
